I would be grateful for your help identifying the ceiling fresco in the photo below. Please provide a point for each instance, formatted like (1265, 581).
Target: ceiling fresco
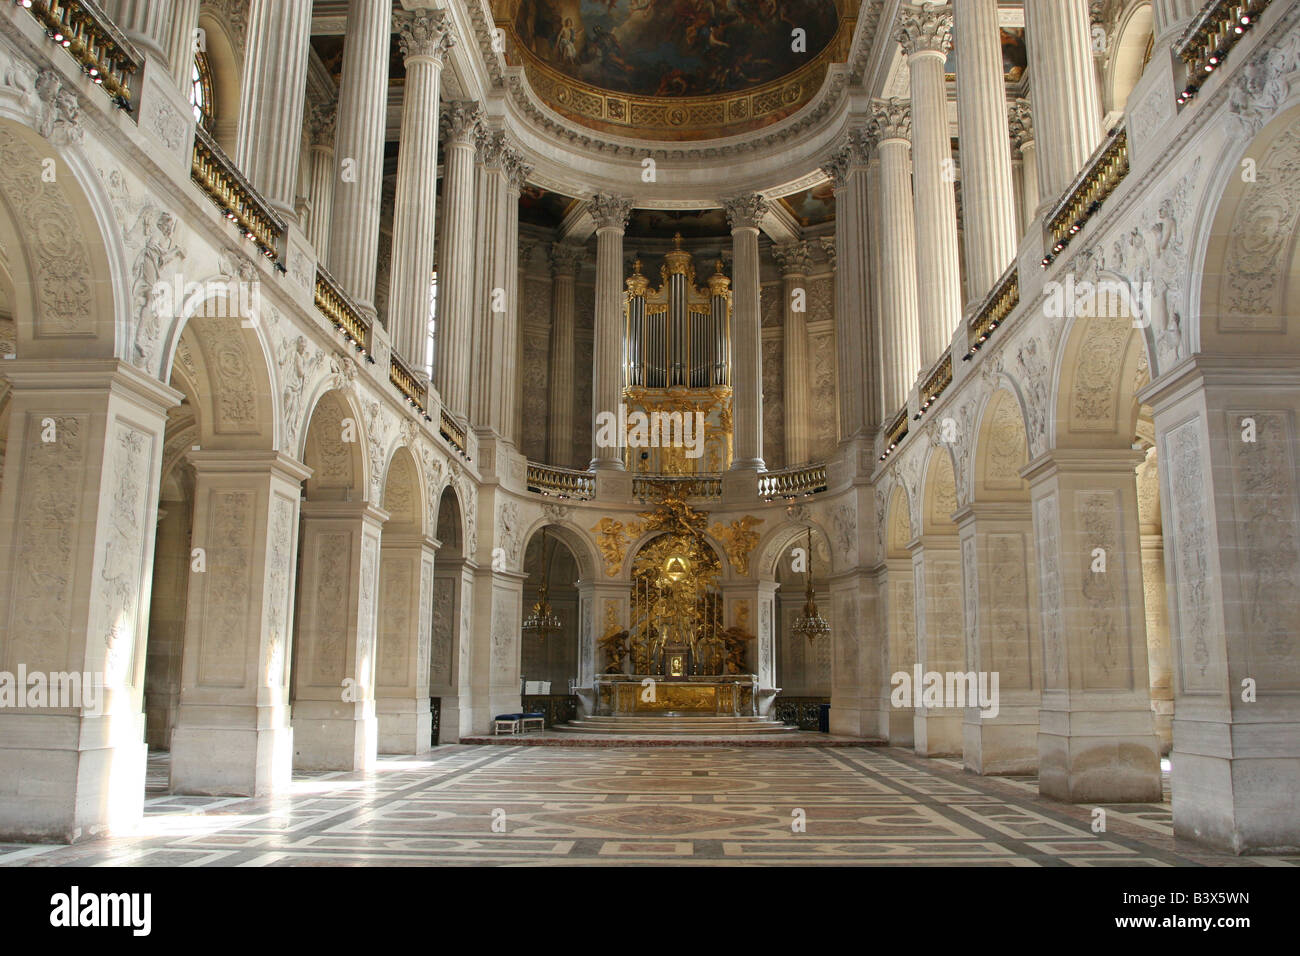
(812, 207)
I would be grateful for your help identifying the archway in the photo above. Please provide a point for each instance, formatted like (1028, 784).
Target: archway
(453, 599)
(1130, 51)
(899, 590)
(803, 667)
(550, 662)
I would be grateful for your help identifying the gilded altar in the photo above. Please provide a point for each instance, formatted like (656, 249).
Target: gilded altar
(621, 695)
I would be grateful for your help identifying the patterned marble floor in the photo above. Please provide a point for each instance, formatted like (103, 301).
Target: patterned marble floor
(559, 806)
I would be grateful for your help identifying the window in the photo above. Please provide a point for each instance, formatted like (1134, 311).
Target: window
(433, 324)
(201, 91)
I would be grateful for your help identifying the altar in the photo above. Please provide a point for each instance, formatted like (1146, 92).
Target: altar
(623, 695)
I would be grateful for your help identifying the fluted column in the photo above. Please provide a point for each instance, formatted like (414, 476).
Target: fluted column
(1067, 110)
(900, 347)
(990, 206)
(1020, 121)
(424, 37)
(926, 35)
(320, 186)
(744, 213)
(460, 122)
(611, 214)
(146, 23)
(564, 271)
(1170, 18)
(359, 150)
(794, 262)
(180, 41)
(272, 96)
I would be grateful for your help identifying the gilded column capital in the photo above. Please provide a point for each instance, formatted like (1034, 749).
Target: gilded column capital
(461, 122)
(792, 258)
(423, 34)
(891, 119)
(610, 211)
(925, 29)
(745, 212)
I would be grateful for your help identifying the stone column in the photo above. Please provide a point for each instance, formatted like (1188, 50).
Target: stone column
(359, 150)
(848, 172)
(451, 657)
(1159, 650)
(794, 262)
(611, 214)
(334, 724)
(402, 651)
(1096, 741)
(898, 722)
(745, 213)
(181, 45)
(1063, 80)
(856, 678)
(146, 23)
(496, 316)
(233, 734)
(424, 37)
(77, 515)
(1000, 596)
(936, 570)
(926, 36)
(900, 324)
(273, 92)
(320, 187)
(564, 270)
(1021, 125)
(460, 124)
(1170, 18)
(990, 207)
(1227, 439)
(498, 614)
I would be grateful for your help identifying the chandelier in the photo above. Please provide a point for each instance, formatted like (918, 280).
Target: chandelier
(541, 620)
(810, 622)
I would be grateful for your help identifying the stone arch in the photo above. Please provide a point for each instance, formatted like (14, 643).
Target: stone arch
(899, 529)
(1130, 48)
(70, 287)
(579, 545)
(451, 530)
(404, 494)
(334, 448)
(225, 60)
(777, 543)
(635, 546)
(939, 493)
(1101, 364)
(1001, 450)
(453, 596)
(555, 658)
(1249, 252)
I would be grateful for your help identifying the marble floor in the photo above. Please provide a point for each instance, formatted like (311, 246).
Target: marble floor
(573, 806)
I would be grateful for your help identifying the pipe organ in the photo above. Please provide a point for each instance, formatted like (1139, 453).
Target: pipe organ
(677, 368)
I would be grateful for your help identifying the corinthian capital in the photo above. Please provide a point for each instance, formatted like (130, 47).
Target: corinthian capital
(1020, 121)
(609, 210)
(461, 122)
(792, 258)
(745, 211)
(566, 257)
(925, 28)
(891, 119)
(517, 171)
(424, 33)
(321, 121)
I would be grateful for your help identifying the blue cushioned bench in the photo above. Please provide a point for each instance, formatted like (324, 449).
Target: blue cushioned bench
(507, 723)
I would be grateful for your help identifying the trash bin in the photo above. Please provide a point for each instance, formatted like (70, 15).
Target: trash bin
(824, 718)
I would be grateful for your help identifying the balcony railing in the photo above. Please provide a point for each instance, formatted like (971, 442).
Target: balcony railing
(940, 378)
(1103, 174)
(225, 185)
(453, 433)
(335, 305)
(792, 482)
(92, 39)
(999, 304)
(561, 482)
(409, 384)
(1210, 38)
(895, 433)
(652, 487)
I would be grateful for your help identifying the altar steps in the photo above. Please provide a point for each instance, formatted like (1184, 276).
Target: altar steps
(685, 724)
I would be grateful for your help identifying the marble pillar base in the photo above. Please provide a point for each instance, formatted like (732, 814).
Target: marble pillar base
(937, 731)
(66, 778)
(1098, 756)
(1162, 712)
(236, 760)
(1005, 744)
(852, 721)
(900, 728)
(405, 725)
(334, 736)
